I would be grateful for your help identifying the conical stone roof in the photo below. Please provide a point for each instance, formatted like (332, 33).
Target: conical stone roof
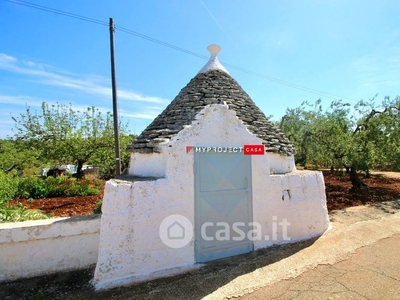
(212, 85)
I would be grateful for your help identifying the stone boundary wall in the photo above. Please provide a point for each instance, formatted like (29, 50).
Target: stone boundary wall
(41, 247)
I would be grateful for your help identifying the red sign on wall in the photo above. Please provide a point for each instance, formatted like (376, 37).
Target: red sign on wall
(254, 149)
(188, 148)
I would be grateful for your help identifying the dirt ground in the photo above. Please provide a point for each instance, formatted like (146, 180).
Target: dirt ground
(64, 206)
(382, 186)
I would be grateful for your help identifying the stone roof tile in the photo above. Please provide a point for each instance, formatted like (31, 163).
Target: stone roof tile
(213, 86)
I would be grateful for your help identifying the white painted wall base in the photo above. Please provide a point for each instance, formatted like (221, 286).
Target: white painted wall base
(297, 198)
(41, 247)
(130, 247)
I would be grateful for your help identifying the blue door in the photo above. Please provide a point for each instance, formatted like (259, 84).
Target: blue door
(223, 207)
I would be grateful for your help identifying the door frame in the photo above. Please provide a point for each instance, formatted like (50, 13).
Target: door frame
(197, 229)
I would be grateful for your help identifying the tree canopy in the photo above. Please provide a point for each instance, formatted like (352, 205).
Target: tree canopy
(359, 137)
(15, 157)
(62, 135)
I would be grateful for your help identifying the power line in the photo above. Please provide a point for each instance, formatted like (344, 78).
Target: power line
(317, 92)
(160, 42)
(292, 85)
(57, 11)
(177, 48)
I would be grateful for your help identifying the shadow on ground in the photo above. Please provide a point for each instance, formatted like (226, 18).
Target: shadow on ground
(388, 206)
(191, 285)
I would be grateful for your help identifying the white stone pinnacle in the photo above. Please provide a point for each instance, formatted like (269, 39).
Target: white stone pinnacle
(213, 63)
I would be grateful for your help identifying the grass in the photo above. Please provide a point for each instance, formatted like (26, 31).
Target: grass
(20, 214)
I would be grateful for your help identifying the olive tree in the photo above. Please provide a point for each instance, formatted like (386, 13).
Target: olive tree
(362, 139)
(299, 125)
(16, 156)
(376, 135)
(64, 135)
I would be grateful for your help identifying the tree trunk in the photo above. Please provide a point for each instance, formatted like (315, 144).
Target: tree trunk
(355, 181)
(79, 173)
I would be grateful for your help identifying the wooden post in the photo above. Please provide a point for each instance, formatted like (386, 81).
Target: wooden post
(115, 102)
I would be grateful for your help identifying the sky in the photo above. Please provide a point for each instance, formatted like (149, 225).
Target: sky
(281, 53)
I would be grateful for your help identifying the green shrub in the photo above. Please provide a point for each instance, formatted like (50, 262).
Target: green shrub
(35, 187)
(20, 213)
(32, 187)
(84, 187)
(8, 188)
(97, 208)
(57, 186)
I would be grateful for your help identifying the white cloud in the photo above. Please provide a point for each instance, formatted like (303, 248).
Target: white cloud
(140, 115)
(7, 60)
(135, 108)
(20, 100)
(94, 85)
(147, 112)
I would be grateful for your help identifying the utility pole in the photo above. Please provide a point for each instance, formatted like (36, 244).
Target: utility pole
(115, 102)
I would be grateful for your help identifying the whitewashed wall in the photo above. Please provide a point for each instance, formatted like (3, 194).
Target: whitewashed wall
(280, 164)
(40, 247)
(150, 164)
(130, 247)
(297, 198)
